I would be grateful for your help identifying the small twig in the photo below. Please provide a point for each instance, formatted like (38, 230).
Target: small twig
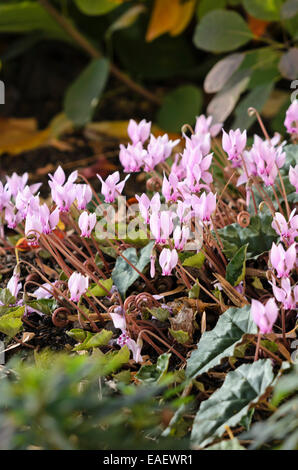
(83, 42)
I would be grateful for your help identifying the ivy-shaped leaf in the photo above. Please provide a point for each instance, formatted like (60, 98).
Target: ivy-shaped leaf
(242, 388)
(123, 274)
(221, 342)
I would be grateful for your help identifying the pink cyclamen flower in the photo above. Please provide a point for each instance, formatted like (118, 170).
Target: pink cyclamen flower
(283, 260)
(111, 187)
(288, 231)
(285, 294)
(25, 200)
(158, 150)
(144, 205)
(44, 291)
(264, 316)
(138, 132)
(124, 339)
(161, 225)
(83, 195)
(291, 120)
(267, 159)
(13, 285)
(169, 187)
(180, 237)
(59, 177)
(293, 176)
(204, 126)
(64, 195)
(33, 228)
(87, 223)
(234, 143)
(17, 183)
(5, 195)
(12, 217)
(132, 157)
(48, 219)
(168, 259)
(78, 285)
(204, 206)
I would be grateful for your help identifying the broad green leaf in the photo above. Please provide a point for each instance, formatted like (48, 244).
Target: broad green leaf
(286, 385)
(256, 98)
(232, 444)
(180, 336)
(268, 10)
(221, 342)
(221, 31)
(223, 103)
(180, 106)
(241, 389)
(25, 17)
(83, 95)
(155, 372)
(123, 274)
(288, 65)
(195, 261)
(289, 9)
(235, 272)
(94, 340)
(204, 6)
(97, 7)
(97, 290)
(222, 71)
(259, 235)
(11, 323)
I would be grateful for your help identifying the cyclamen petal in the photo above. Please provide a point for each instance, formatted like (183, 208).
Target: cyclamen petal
(87, 223)
(293, 176)
(138, 132)
(264, 315)
(110, 188)
(168, 260)
(78, 285)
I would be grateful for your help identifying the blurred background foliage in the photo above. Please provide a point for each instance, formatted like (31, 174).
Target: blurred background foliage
(182, 56)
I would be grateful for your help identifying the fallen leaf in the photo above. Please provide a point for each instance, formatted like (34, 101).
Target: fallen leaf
(184, 321)
(20, 135)
(164, 17)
